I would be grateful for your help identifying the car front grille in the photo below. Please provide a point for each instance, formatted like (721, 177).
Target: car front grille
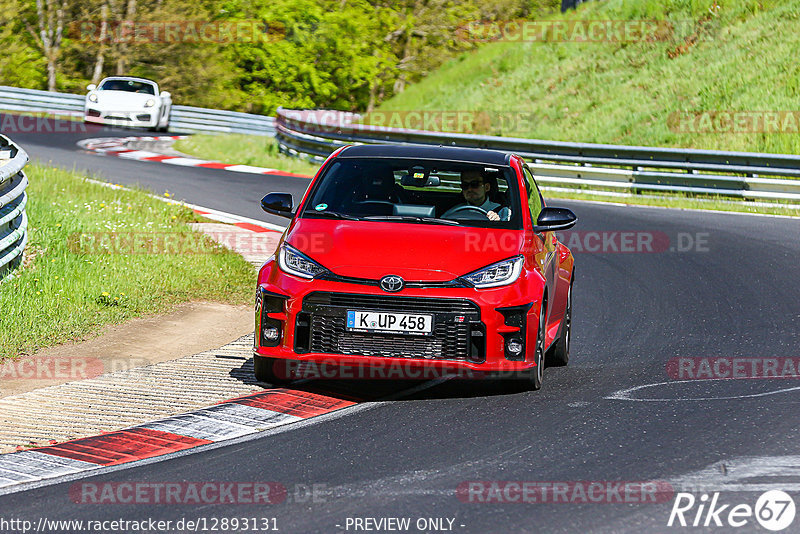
(458, 333)
(391, 303)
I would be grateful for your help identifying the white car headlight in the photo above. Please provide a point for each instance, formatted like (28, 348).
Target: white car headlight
(497, 274)
(92, 97)
(292, 261)
(150, 103)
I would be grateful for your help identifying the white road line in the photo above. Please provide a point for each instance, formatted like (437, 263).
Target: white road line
(249, 169)
(138, 154)
(626, 394)
(184, 162)
(748, 473)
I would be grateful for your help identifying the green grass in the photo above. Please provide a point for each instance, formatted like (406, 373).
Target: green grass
(256, 150)
(62, 293)
(678, 201)
(745, 58)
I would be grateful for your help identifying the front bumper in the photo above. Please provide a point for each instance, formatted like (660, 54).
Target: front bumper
(138, 118)
(471, 331)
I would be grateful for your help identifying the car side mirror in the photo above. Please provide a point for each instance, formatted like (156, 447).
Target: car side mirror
(165, 94)
(554, 219)
(278, 204)
(91, 87)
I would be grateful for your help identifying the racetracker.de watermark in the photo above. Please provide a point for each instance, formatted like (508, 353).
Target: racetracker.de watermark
(177, 493)
(565, 492)
(211, 242)
(196, 492)
(576, 31)
(597, 242)
(447, 121)
(382, 370)
(43, 123)
(734, 122)
(176, 31)
(710, 368)
(64, 367)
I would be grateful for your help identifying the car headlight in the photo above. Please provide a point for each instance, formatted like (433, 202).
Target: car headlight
(92, 97)
(497, 274)
(292, 261)
(150, 103)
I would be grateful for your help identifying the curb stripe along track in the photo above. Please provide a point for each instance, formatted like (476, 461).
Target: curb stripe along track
(117, 146)
(238, 417)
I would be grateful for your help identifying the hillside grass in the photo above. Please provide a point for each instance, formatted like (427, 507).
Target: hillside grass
(68, 288)
(741, 56)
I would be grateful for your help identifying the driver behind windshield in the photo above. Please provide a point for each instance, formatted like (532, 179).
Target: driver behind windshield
(475, 190)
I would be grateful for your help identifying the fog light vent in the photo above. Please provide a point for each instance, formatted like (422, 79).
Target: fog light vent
(515, 316)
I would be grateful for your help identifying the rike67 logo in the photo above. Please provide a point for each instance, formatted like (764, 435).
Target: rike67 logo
(774, 510)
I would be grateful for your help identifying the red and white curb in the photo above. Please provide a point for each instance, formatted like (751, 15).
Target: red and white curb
(236, 220)
(228, 420)
(118, 146)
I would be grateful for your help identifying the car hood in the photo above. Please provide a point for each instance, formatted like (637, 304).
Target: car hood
(418, 252)
(123, 100)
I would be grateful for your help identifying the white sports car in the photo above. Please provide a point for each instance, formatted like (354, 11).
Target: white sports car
(127, 101)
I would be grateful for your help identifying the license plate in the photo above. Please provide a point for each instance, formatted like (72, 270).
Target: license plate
(399, 323)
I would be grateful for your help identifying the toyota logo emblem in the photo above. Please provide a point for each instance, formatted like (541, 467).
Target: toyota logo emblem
(392, 283)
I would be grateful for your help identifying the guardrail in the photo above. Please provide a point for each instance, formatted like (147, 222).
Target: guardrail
(620, 168)
(182, 118)
(13, 219)
(191, 119)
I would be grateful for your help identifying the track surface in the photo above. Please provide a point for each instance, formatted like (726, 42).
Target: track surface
(406, 458)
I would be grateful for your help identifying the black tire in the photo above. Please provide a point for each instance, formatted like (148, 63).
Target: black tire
(535, 375)
(264, 369)
(558, 355)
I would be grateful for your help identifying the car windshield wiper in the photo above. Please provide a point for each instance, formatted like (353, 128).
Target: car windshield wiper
(437, 220)
(336, 215)
(411, 218)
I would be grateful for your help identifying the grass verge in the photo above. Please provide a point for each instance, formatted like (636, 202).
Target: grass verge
(708, 203)
(240, 149)
(68, 288)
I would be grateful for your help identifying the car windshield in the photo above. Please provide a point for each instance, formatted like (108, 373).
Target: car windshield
(129, 86)
(418, 191)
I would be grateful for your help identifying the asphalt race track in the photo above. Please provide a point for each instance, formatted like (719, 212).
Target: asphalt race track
(714, 285)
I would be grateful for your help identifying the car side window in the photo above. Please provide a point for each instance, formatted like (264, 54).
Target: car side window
(534, 196)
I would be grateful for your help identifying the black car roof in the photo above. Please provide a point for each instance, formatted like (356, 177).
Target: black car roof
(469, 155)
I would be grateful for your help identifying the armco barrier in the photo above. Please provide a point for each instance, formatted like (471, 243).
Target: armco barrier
(620, 168)
(13, 219)
(182, 118)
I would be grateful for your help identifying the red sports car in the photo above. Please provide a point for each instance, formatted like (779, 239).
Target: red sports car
(417, 257)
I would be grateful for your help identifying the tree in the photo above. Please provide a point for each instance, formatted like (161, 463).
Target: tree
(21, 64)
(50, 16)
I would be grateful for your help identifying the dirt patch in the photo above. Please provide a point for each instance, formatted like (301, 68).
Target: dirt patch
(186, 330)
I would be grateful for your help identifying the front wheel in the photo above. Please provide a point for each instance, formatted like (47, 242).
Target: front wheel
(535, 375)
(558, 355)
